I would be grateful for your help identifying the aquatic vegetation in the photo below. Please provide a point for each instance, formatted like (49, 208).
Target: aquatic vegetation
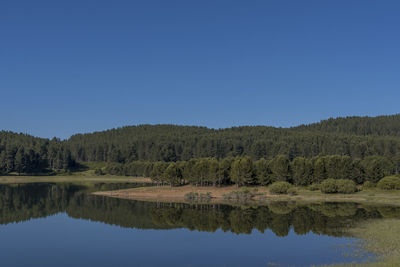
(194, 196)
(240, 195)
(380, 237)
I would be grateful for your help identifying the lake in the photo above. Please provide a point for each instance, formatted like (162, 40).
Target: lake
(64, 225)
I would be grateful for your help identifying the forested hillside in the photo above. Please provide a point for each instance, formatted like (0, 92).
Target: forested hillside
(355, 137)
(23, 153)
(375, 126)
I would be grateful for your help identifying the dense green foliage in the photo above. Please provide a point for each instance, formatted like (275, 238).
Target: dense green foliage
(375, 126)
(389, 183)
(356, 148)
(279, 187)
(23, 153)
(313, 187)
(330, 186)
(357, 137)
(292, 191)
(368, 185)
(346, 186)
(245, 171)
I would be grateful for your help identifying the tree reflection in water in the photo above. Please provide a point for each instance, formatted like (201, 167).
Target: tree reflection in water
(21, 202)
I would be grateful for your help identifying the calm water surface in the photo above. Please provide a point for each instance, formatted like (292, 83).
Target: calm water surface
(63, 225)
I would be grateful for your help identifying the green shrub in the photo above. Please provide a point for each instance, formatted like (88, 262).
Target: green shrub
(98, 171)
(368, 185)
(279, 188)
(329, 186)
(313, 187)
(346, 186)
(389, 183)
(292, 191)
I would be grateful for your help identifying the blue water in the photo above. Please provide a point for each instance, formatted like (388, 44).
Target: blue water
(59, 240)
(64, 225)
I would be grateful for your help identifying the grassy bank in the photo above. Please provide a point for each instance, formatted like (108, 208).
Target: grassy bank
(85, 173)
(72, 179)
(260, 193)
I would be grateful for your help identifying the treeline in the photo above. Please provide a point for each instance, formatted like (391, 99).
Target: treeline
(355, 137)
(23, 153)
(245, 171)
(181, 143)
(375, 126)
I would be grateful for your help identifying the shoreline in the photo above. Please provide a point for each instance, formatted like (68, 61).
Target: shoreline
(261, 195)
(73, 179)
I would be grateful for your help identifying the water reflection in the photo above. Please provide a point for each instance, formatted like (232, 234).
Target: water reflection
(26, 201)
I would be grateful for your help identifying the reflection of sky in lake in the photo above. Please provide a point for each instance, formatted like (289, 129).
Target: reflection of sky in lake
(63, 241)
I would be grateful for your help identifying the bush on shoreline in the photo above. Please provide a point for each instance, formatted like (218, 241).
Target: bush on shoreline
(98, 171)
(389, 183)
(279, 188)
(346, 186)
(313, 187)
(332, 186)
(369, 185)
(292, 191)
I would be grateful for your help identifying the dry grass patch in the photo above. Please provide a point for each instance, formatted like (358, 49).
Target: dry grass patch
(176, 194)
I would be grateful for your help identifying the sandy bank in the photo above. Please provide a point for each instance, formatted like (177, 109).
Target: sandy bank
(177, 194)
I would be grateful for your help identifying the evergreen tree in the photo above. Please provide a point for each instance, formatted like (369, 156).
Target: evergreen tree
(263, 172)
(320, 172)
(301, 171)
(376, 168)
(19, 162)
(213, 170)
(158, 172)
(173, 174)
(201, 171)
(225, 167)
(242, 171)
(280, 167)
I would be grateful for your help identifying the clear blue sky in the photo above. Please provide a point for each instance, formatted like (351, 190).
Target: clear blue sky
(79, 66)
